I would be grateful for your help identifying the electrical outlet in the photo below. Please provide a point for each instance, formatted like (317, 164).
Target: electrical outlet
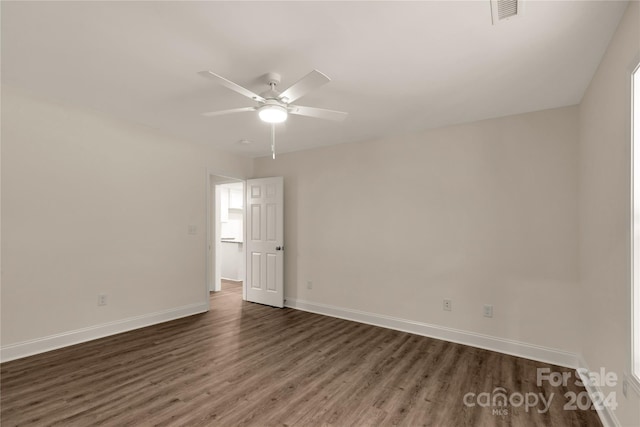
(488, 310)
(446, 304)
(309, 284)
(102, 299)
(192, 229)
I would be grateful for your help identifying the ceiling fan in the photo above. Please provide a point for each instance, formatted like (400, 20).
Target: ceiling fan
(273, 106)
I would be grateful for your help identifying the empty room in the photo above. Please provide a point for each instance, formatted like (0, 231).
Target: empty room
(320, 213)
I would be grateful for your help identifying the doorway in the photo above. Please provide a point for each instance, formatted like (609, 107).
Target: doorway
(262, 206)
(226, 256)
(232, 248)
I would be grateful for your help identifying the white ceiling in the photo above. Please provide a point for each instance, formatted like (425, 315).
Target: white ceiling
(396, 67)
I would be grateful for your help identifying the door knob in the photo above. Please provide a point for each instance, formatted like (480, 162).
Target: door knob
(279, 248)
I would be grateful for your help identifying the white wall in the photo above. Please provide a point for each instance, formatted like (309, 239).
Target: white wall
(91, 205)
(605, 159)
(480, 213)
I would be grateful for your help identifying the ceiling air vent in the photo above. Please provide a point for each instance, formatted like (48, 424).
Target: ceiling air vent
(502, 10)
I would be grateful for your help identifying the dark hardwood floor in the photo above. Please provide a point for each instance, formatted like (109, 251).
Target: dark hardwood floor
(247, 364)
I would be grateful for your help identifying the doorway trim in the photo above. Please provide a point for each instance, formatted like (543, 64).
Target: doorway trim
(212, 241)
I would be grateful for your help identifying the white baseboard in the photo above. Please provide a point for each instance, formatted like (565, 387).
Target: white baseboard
(52, 342)
(514, 348)
(607, 416)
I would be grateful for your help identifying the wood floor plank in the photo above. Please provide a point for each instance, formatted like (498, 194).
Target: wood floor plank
(244, 364)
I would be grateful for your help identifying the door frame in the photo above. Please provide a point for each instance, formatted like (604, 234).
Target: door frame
(212, 241)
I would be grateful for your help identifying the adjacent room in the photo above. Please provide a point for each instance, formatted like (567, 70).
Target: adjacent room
(320, 213)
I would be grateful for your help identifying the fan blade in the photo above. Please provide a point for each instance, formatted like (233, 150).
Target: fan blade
(319, 113)
(305, 85)
(231, 85)
(233, 110)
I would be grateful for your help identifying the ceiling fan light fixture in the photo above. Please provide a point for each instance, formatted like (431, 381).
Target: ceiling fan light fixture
(273, 113)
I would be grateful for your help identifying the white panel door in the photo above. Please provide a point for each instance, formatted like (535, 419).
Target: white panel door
(265, 241)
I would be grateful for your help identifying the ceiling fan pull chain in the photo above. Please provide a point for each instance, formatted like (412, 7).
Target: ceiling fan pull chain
(273, 141)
